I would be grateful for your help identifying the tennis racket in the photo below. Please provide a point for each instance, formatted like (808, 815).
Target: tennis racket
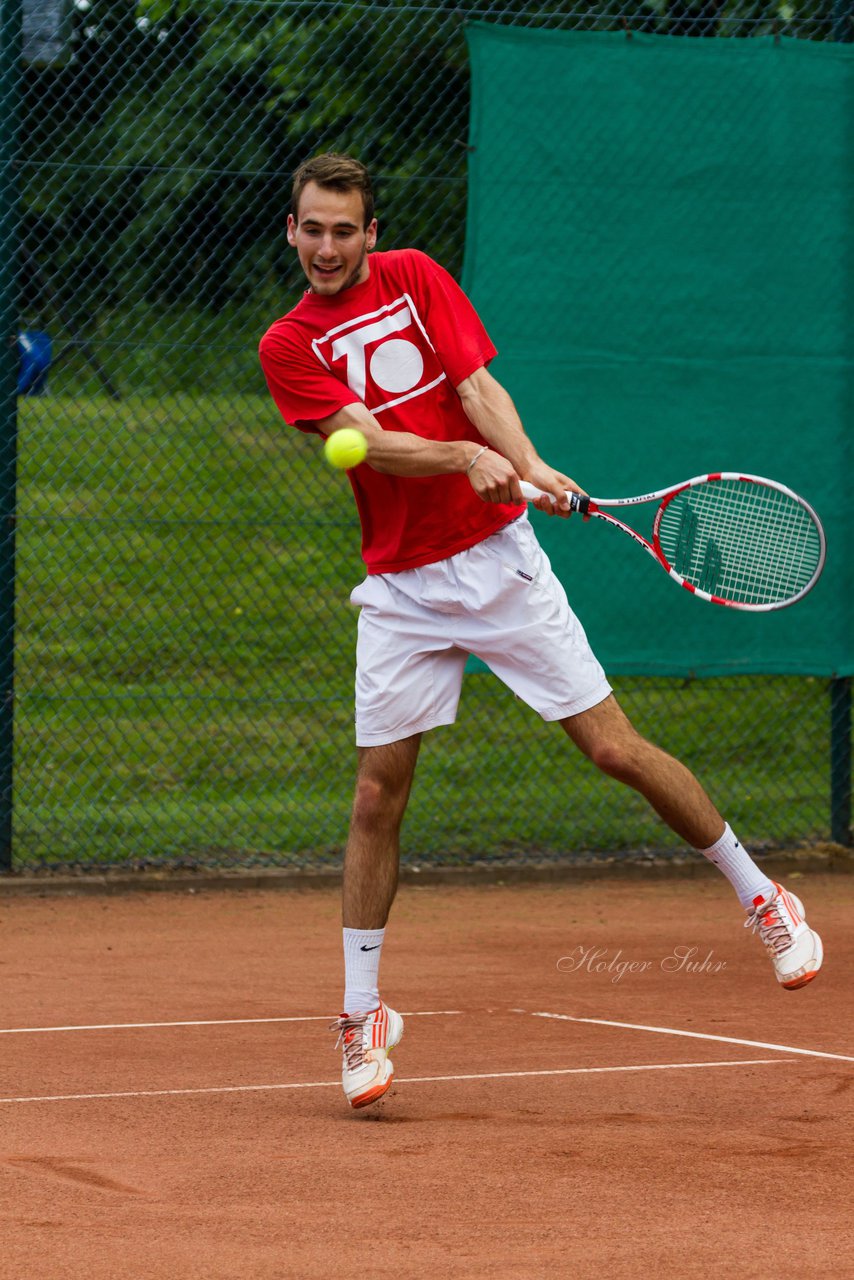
(735, 540)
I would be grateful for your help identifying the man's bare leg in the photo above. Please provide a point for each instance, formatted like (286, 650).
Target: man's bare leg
(607, 737)
(383, 783)
(369, 1029)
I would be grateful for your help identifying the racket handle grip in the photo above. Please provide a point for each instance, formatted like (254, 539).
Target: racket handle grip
(577, 501)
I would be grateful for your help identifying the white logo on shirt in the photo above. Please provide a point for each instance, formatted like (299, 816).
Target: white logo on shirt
(376, 360)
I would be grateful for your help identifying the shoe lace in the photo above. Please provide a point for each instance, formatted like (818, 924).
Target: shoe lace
(771, 924)
(349, 1028)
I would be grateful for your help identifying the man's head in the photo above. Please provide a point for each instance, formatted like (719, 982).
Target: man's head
(331, 224)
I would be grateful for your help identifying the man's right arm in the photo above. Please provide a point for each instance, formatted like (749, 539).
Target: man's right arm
(300, 387)
(400, 453)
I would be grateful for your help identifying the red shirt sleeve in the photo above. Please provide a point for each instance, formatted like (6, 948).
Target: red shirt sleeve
(303, 390)
(456, 331)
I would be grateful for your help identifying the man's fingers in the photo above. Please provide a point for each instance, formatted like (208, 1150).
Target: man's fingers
(494, 479)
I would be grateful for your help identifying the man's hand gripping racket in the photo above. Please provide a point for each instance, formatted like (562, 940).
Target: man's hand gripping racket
(732, 539)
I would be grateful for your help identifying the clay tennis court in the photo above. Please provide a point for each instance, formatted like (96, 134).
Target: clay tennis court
(571, 1098)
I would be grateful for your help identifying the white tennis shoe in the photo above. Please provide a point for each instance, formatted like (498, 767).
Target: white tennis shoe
(795, 949)
(367, 1039)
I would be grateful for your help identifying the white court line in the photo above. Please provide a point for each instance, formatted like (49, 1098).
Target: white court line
(694, 1035)
(212, 1022)
(331, 1084)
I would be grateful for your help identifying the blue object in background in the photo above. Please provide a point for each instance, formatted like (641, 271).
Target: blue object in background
(34, 354)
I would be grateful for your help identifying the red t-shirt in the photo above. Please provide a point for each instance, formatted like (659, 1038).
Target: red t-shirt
(400, 343)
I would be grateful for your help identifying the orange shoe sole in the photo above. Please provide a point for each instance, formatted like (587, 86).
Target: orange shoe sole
(365, 1099)
(800, 982)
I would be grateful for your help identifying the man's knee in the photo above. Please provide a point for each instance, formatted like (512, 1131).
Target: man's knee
(607, 756)
(609, 739)
(379, 801)
(620, 757)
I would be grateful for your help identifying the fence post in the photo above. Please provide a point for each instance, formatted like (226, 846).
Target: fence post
(843, 21)
(840, 760)
(10, 73)
(840, 688)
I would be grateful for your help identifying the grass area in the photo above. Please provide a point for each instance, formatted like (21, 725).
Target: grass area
(185, 668)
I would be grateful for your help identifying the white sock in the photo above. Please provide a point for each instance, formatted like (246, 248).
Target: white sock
(362, 951)
(730, 857)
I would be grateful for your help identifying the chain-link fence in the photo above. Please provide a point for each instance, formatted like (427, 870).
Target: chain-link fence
(184, 649)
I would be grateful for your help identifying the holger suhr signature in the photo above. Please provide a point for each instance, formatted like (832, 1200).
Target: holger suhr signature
(599, 960)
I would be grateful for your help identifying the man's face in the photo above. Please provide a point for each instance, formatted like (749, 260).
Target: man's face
(331, 239)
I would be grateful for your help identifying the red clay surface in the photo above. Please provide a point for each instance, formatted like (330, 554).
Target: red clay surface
(739, 1169)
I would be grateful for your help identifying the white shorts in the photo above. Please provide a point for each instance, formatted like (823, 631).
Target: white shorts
(498, 600)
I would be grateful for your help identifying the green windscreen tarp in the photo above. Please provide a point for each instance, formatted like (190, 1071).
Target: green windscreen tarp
(660, 244)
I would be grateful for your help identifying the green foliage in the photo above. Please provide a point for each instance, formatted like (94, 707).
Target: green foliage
(157, 159)
(168, 177)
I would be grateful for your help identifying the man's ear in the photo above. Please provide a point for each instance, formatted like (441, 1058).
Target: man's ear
(371, 234)
(292, 226)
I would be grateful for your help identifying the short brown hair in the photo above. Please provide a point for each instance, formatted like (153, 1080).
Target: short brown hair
(336, 173)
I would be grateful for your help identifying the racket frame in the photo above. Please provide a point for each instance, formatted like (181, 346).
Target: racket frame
(587, 507)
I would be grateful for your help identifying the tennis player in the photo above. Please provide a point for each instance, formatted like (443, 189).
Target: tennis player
(388, 343)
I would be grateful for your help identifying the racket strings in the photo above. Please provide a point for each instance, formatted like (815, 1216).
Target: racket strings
(740, 540)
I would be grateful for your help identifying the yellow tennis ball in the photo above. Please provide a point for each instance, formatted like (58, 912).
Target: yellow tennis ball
(346, 448)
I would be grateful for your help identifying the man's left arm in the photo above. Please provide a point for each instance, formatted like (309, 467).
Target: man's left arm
(496, 474)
